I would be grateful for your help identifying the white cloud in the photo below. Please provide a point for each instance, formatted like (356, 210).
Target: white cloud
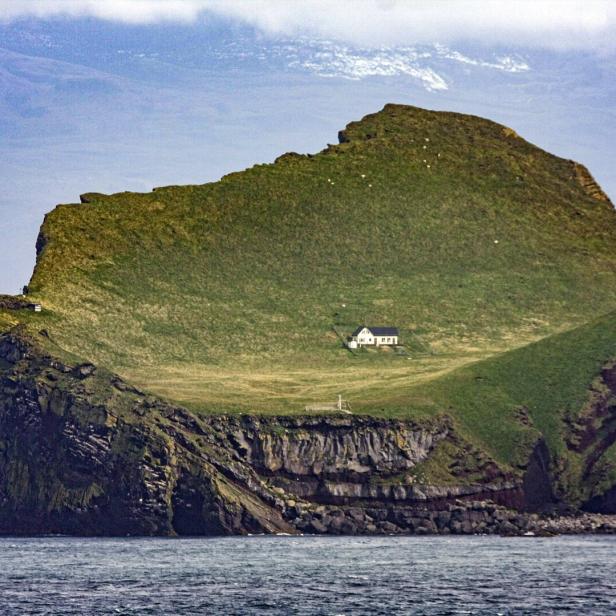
(130, 11)
(560, 24)
(336, 61)
(330, 59)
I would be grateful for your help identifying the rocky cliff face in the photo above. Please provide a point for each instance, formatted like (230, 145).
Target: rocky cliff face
(345, 460)
(83, 452)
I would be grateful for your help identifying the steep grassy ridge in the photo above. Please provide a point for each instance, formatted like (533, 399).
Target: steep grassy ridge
(505, 403)
(223, 296)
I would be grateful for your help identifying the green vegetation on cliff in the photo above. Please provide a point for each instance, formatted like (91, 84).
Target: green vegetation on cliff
(551, 389)
(229, 296)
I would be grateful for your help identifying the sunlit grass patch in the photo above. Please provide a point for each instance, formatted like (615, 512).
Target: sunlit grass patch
(237, 295)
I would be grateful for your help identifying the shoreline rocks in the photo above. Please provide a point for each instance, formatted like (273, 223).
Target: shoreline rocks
(460, 518)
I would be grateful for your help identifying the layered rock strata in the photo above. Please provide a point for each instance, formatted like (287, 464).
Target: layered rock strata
(84, 452)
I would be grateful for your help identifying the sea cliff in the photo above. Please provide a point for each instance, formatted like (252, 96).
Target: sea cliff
(84, 452)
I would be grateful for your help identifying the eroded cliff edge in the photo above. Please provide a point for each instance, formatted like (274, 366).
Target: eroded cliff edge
(83, 452)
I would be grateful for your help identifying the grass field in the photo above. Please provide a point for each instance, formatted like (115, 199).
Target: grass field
(224, 296)
(371, 384)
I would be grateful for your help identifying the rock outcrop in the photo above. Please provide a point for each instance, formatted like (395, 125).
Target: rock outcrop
(588, 182)
(11, 302)
(84, 452)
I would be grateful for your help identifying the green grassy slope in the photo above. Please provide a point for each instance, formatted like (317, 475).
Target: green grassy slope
(505, 402)
(223, 296)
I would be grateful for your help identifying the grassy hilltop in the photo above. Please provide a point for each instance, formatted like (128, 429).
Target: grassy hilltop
(231, 295)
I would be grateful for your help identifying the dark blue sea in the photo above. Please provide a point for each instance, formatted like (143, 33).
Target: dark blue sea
(309, 575)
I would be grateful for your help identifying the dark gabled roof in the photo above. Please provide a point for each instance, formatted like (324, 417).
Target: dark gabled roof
(384, 331)
(378, 331)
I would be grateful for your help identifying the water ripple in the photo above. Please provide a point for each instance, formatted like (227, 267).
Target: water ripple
(298, 576)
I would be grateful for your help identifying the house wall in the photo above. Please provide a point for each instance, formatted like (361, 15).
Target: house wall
(365, 337)
(379, 340)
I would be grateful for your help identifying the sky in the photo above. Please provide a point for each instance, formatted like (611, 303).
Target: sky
(133, 94)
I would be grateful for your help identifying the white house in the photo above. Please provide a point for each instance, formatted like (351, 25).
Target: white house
(375, 336)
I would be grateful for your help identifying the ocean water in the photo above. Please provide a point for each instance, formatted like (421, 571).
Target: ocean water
(308, 575)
